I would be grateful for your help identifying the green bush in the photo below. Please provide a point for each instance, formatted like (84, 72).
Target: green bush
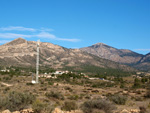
(50, 83)
(69, 105)
(73, 97)
(29, 84)
(56, 95)
(16, 101)
(142, 109)
(137, 83)
(7, 88)
(118, 99)
(102, 84)
(147, 95)
(68, 88)
(38, 106)
(97, 106)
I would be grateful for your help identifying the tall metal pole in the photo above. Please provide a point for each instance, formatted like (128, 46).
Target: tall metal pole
(37, 62)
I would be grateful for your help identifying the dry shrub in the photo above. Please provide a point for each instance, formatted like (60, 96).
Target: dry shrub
(97, 105)
(16, 101)
(69, 105)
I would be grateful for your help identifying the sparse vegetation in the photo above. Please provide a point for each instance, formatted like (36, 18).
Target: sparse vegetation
(97, 106)
(147, 95)
(16, 101)
(41, 107)
(75, 91)
(38, 106)
(102, 84)
(56, 95)
(118, 99)
(69, 105)
(137, 83)
(142, 109)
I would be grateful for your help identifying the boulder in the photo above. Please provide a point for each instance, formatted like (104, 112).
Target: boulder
(16, 112)
(57, 110)
(27, 111)
(125, 111)
(6, 111)
(135, 111)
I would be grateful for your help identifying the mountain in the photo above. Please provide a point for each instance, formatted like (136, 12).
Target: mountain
(123, 56)
(144, 63)
(21, 52)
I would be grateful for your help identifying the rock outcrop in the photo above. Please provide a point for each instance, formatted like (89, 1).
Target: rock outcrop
(57, 110)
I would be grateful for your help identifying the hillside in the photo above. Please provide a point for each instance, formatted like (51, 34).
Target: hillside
(144, 63)
(21, 52)
(122, 56)
(118, 55)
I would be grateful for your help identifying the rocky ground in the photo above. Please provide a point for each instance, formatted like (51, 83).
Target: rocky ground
(56, 92)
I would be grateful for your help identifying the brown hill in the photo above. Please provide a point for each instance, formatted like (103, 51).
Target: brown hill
(122, 56)
(118, 55)
(20, 52)
(144, 63)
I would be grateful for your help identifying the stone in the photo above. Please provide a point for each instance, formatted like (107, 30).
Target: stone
(135, 111)
(57, 110)
(125, 111)
(27, 111)
(16, 112)
(6, 111)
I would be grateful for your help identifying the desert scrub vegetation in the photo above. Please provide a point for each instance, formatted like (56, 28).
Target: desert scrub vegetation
(39, 106)
(102, 84)
(56, 95)
(147, 95)
(118, 99)
(16, 101)
(69, 105)
(97, 106)
(137, 83)
(73, 97)
(68, 88)
(142, 109)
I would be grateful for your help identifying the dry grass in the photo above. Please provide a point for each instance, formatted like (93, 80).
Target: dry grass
(77, 93)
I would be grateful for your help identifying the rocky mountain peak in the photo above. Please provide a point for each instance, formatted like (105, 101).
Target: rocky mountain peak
(123, 56)
(17, 41)
(98, 45)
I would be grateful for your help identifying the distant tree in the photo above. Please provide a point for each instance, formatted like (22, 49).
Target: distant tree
(137, 83)
(143, 80)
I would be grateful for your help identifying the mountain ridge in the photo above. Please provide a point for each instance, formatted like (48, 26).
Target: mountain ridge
(122, 56)
(22, 52)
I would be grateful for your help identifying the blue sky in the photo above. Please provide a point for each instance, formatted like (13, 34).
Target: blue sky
(123, 24)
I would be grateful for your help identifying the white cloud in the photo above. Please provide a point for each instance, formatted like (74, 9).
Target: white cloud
(142, 49)
(69, 40)
(51, 36)
(46, 35)
(17, 28)
(42, 33)
(4, 41)
(13, 35)
(20, 28)
(45, 29)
